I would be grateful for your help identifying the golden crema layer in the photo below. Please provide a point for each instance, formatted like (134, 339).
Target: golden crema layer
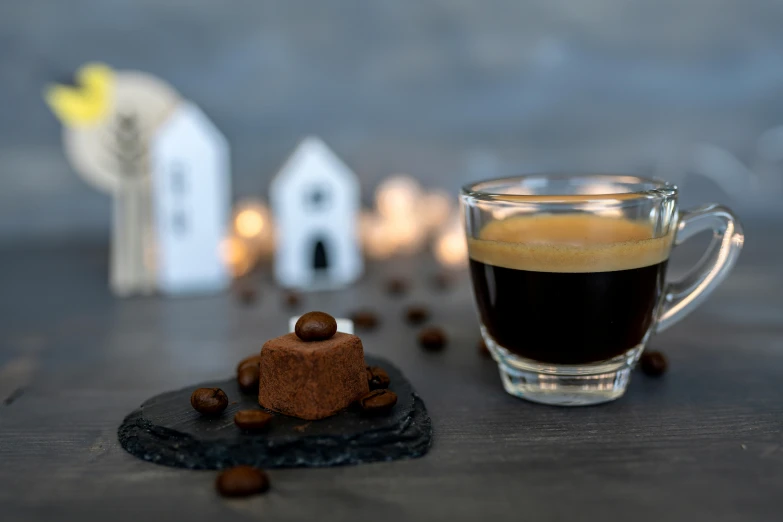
(569, 243)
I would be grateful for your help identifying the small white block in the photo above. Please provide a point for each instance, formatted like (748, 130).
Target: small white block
(343, 325)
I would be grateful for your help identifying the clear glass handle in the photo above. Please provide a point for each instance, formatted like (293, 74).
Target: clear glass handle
(682, 297)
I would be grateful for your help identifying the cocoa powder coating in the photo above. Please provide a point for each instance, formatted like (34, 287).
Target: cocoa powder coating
(312, 380)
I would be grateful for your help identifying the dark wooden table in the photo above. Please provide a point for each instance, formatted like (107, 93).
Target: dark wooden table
(702, 443)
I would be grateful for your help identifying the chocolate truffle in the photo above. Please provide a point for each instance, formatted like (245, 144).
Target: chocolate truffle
(312, 380)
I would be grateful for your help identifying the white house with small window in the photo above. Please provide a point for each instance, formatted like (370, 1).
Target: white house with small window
(315, 199)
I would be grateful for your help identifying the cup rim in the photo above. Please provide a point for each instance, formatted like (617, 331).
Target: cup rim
(661, 188)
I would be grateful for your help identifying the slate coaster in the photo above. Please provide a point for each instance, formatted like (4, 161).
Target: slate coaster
(168, 431)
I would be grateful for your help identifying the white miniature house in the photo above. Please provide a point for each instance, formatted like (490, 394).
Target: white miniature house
(315, 199)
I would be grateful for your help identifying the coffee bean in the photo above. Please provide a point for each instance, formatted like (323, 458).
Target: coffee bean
(253, 359)
(377, 378)
(653, 363)
(252, 420)
(292, 299)
(397, 286)
(364, 319)
(209, 401)
(432, 339)
(482, 348)
(417, 314)
(248, 374)
(242, 481)
(247, 295)
(378, 402)
(247, 377)
(315, 326)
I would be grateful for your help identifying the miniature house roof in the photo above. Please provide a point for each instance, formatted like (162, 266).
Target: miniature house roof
(312, 161)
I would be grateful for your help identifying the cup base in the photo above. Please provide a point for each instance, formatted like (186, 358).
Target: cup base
(564, 385)
(561, 390)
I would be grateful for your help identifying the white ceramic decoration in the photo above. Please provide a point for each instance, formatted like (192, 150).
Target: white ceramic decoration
(111, 120)
(190, 180)
(315, 202)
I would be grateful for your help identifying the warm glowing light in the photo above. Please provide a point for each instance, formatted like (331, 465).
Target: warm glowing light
(235, 255)
(249, 223)
(407, 235)
(252, 219)
(435, 209)
(404, 219)
(253, 225)
(375, 237)
(451, 249)
(398, 197)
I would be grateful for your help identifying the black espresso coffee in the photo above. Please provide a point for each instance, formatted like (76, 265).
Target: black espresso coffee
(568, 288)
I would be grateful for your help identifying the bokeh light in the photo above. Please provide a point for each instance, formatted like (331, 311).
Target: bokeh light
(253, 224)
(236, 256)
(249, 223)
(397, 197)
(450, 247)
(435, 209)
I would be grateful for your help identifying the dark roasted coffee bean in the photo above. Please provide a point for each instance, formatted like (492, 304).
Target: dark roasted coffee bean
(397, 286)
(209, 401)
(364, 319)
(247, 295)
(253, 359)
(315, 326)
(378, 402)
(247, 377)
(377, 378)
(417, 314)
(248, 374)
(292, 299)
(653, 363)
(432, 339)
(252, 420)
(242, 481)
(482, 348)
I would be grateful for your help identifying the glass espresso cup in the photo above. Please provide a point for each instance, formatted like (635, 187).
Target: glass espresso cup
(569, 276)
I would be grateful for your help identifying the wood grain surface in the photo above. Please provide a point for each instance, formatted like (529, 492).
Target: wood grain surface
(704, 442)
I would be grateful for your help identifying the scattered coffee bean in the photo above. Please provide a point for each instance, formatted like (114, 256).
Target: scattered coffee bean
(378, 402)
(247, 295)
(377, 378)
(364, 319)
(253, 359)
(247, 377)
(242, 481)
(417, 314)
(653, 363)
(442, 281)
(482, 348)
(432, 339)
(315, 326)
(209, 401)
(252, 420)
(292, 299)
(397, 286)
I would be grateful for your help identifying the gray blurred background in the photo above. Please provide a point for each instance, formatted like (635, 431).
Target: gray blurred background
(445, 90)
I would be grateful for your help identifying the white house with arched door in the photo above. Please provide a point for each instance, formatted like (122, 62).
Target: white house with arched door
(315, 199)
